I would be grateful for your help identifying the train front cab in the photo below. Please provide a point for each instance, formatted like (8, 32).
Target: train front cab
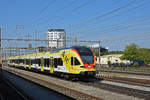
(82, 62)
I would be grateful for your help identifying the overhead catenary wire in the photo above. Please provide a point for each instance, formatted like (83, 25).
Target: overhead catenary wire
(120, 26)
(123, 27)
(71, 12)
(117, 27)
(106, 14)
(39, 20)
(111, 17)
(42, 10)
(77, 8)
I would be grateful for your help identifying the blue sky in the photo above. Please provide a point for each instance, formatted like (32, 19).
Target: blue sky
(115, 22)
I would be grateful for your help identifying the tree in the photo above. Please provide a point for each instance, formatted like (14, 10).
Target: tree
(109, 63)
(144, 55)
(130, 52)
(133, 52)
(96, 54)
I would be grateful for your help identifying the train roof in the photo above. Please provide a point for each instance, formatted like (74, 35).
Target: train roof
(82, 48)
(73, 47)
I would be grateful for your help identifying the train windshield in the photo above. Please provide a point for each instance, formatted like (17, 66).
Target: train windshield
(86, 55)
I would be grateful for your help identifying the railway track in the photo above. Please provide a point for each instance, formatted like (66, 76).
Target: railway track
(126, 80)
(97, 83)
(59, 88)
(126, 72)
(117, 89)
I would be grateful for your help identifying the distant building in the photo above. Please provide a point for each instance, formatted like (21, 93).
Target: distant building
(95, 48)
(56, 37)
(113, 58)
(102, 49)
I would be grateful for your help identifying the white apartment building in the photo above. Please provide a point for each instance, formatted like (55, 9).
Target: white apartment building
(56, 38)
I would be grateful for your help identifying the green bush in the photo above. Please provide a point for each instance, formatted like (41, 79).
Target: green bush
(109, 63)
(121, 64)
(136, 64)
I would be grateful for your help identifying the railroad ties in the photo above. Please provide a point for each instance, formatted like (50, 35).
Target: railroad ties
(94, 90)
(52, 83)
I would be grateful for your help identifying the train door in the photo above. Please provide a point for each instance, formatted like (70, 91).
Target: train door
(29, 63)
(42, 64)
(51, 65)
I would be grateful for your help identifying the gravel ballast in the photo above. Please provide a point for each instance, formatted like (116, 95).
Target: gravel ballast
(90, 90)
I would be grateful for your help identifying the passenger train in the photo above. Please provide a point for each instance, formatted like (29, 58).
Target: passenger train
(73, 62)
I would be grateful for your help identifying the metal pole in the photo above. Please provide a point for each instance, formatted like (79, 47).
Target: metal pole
(36, 42)
(0, 37)
(76, 39)
(0, 44)
(64, 39)
(99, 54)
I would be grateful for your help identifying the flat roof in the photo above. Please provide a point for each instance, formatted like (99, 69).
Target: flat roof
(56, 29)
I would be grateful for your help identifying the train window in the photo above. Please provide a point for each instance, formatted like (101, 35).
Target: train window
(72, 61)
(46, 62)
(28, 61)
(32, 61)
(60, 62)
(13, 61)
(36, 61)
(24, 61)
(16, 61)
(21, 60)
(55, 62)
(39, 62)
(76, 61)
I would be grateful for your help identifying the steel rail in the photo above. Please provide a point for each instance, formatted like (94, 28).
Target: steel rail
(130, 81)
(117, 89)
(72, 92)
(126, 72)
